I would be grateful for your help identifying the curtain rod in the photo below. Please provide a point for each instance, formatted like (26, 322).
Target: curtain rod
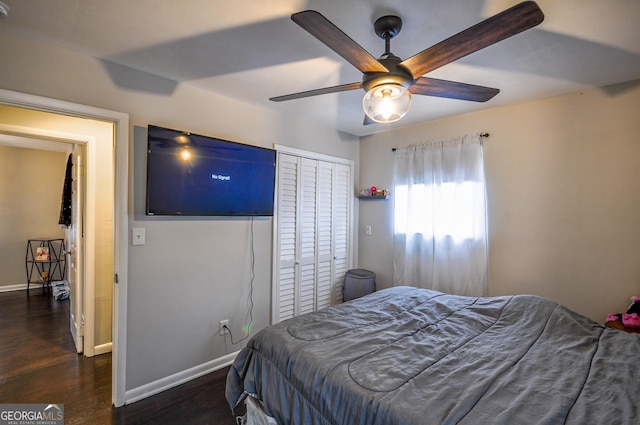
(481, 135)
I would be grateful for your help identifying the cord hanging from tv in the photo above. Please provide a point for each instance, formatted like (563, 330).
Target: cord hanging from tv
(194, 175)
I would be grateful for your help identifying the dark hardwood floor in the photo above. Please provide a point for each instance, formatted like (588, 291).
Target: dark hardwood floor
(39, 364)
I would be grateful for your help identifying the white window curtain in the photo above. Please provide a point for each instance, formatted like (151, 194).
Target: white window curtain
(440, 219)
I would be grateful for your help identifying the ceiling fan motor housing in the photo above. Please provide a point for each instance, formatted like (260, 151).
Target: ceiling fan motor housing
(397, 74)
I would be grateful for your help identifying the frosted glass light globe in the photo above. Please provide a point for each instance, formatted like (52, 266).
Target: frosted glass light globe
(386, 103)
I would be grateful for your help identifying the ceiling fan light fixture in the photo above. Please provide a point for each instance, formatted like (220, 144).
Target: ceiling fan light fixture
(387, 103)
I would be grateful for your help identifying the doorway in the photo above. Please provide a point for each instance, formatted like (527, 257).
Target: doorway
(90, 236)
(117, 161)
(34, 172)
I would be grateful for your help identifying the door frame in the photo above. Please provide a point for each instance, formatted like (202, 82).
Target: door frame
(121, 168)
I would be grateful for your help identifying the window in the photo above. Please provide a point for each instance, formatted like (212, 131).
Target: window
(448, 210)
(440, 231)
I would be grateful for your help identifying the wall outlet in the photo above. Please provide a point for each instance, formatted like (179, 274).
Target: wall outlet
(224, 327)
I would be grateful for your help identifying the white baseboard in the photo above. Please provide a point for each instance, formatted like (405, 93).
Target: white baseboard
(102, 348)
(18, 287)
(152, 388)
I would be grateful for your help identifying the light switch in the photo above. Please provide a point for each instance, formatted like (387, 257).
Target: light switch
(368, 230)
(137, 236)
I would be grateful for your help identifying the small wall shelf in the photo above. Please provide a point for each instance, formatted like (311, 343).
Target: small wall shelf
(373, 197)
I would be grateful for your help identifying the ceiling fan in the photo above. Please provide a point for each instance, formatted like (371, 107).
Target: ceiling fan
(389, 81)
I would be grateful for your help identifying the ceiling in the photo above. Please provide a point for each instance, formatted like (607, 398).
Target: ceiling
(251, 50)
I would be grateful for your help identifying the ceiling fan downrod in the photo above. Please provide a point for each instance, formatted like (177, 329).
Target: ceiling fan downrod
(387, 27)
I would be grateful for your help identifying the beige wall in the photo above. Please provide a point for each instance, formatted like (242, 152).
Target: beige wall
(563, 184)
(31, 184)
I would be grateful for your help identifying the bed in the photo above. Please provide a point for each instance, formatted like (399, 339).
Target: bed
(414, 356)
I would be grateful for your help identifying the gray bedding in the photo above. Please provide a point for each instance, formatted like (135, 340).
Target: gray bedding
(414, 356)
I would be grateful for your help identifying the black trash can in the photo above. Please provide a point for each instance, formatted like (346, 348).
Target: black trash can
(357, 283)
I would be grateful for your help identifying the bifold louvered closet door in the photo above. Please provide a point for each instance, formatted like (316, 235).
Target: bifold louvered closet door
(312, 233)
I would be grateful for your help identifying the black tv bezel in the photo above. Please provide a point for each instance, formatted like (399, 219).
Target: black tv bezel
(216, 213)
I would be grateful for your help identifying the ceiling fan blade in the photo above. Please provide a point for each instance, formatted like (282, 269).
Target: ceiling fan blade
(316, 92)
(510, 22)
(452, 90)
(322, 29)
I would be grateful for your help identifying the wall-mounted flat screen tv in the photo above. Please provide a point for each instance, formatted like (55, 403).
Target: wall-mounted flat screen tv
(193, 175)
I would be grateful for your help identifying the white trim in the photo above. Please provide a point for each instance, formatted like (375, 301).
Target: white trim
(37, 133)
(102, 348)
(17, 287)
(121, 259)
(179, 378)
(121, 219)
(312, 155)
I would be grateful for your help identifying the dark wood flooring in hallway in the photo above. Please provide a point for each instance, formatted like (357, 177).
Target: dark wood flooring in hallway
(39, 364)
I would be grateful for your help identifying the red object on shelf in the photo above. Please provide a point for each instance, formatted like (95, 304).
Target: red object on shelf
(373, 190)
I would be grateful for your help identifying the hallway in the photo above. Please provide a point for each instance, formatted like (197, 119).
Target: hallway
(39, 364)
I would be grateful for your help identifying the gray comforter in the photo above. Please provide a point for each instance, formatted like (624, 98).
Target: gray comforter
(413, 356)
